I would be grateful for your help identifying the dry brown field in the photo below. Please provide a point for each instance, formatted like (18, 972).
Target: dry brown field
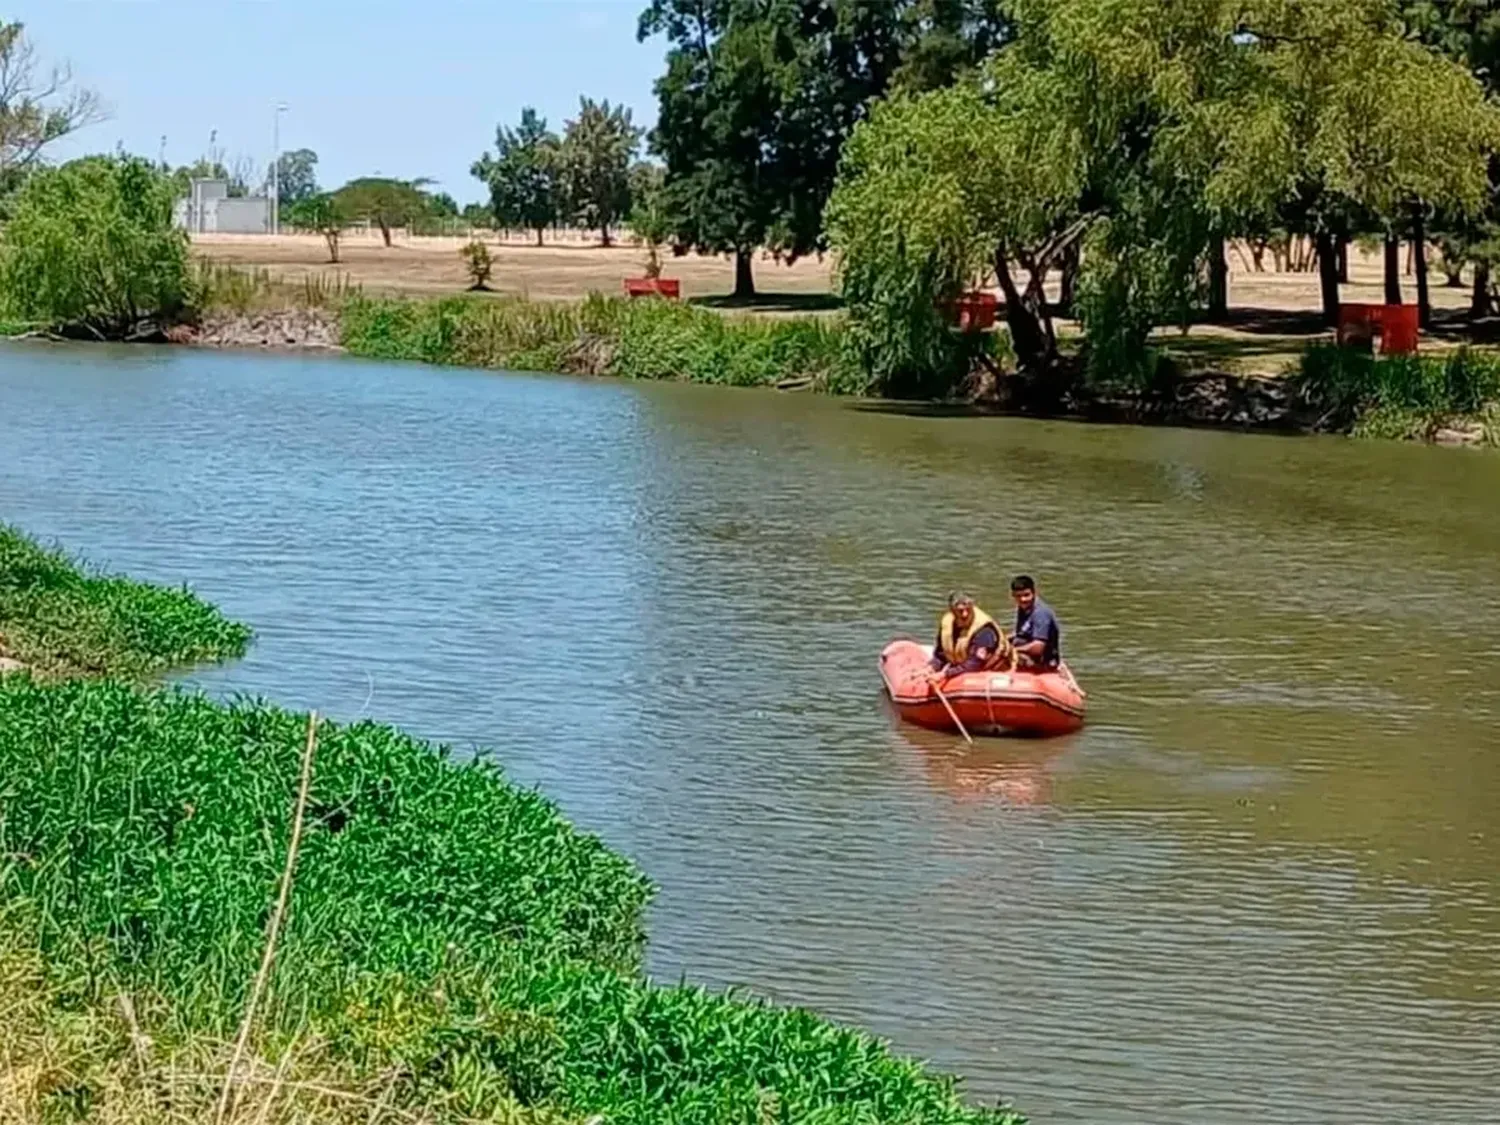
(563, 269)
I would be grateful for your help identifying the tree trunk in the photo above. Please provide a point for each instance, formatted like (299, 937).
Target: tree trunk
(1419, 263)
(332, 238)
(539, 232)
(604, 236)
(385, 233)
(1392, 270)
(744, 278)
(1342, 250)
(1028, 338)
(1328, 277)
(1218, 280)
(1481, 305)
(1067, 290)
(1258, 256)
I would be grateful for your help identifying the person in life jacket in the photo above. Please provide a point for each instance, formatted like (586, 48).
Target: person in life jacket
(968, 640)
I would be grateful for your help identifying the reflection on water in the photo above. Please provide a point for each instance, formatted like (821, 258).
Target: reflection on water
(1261, 884)
(1013, 770)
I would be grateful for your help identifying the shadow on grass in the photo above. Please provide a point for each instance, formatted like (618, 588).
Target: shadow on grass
(1272, 322)
(773, 302)
(1456, 326)
(1200, 350)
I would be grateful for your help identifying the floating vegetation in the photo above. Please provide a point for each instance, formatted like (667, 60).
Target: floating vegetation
(379, 929)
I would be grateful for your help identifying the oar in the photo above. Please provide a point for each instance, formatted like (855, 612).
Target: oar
(952, 714)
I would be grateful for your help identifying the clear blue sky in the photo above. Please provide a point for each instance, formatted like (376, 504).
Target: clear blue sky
(396, 87)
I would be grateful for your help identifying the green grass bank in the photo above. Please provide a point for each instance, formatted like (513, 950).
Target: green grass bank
(648, 339)
(453, 949)
(60, 617)
(1339, 390)
(1414, 397)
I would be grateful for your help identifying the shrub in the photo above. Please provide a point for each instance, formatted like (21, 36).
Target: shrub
(1393, 394)
(91, 248)
(477, 261)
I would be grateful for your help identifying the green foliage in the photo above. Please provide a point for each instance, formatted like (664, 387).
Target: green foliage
(296, 176)
(61, 619)
(1144, 130)
(753, 108)
(594, 160)
(1390, 395)
(201, 169)
(643, 339)
(446, 928)
(408, 853)
(385, 202)
(945, 40)
(479, 215)
(323, 214)
(524, 175)
(650, 220)
(451, 940)
(664, 340)
(934, 192)
(477, 261)
(91, 246)
(758, 99)
(1339, 109)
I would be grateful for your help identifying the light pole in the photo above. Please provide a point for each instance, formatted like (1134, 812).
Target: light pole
(276, 167)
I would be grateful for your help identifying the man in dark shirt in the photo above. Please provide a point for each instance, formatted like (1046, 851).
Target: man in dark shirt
(1038, 639)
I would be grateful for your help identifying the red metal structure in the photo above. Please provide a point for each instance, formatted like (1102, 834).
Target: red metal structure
(974, 311)
(668, 287)
(1397, 325)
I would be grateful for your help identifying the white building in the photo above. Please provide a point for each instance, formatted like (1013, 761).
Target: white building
(209, 210)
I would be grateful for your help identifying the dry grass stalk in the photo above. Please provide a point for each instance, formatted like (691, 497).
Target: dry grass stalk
(273, 927)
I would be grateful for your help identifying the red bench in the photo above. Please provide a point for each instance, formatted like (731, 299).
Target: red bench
(1397, 325)
(668, 287)
(973, 312)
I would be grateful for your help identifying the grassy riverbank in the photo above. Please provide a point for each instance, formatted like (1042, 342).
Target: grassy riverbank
(1420, 398)
(1443, 395)
(62, 618)
(454, 950)
(605, 336)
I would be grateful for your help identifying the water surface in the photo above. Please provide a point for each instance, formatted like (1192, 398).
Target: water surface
(1263, 884)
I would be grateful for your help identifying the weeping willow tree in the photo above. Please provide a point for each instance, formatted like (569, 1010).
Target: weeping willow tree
(1138, 136)
(1346, 125)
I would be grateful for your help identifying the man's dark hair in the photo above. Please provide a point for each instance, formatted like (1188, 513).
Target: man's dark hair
(1022, 582)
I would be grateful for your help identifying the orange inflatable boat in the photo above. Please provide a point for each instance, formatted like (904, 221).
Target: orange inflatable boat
(1034, 703)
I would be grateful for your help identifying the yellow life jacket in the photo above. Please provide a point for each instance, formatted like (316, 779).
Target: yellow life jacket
(955, 649)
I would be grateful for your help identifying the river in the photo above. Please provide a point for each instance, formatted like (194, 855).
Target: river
(1262, 885)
